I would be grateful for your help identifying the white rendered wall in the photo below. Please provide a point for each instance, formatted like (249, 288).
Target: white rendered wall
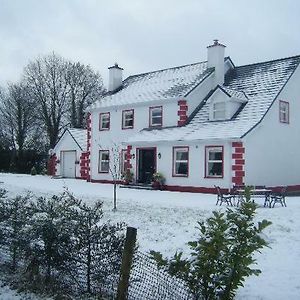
(105, 140)
(272, 148)
(199, 93)
(67, 143)
(196, 176)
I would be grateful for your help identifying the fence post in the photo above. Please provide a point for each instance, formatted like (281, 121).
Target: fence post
(126, 263)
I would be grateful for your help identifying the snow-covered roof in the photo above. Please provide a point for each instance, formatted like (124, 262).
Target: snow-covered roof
(261, 82)
(156, 86)
(80, 137)
(241, 95)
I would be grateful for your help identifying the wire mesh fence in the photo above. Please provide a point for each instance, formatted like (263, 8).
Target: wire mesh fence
(148, 282)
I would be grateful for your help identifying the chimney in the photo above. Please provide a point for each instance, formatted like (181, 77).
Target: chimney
(215, 59)
(115, 77)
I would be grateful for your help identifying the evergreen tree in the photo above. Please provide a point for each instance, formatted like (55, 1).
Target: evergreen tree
(222, 257)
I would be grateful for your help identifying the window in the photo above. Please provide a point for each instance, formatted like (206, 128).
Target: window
(180, 161)
(155, 116)
(127, 119)
(104, 122)
(103, 161)
(283, 112)
(219, 111)
(123, 164)
(214, 161)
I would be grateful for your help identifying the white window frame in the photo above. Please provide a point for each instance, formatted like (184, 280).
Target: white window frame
(217, 110)
(284, 112)
(208, 161)
(152, 118)
(103, 121)
(125, 114)
(101, 160)
(180, 161)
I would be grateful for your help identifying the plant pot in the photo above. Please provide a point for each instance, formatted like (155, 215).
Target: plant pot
(156, 185)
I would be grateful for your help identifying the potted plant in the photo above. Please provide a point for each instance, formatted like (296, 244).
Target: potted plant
(127, 176)
(158, 180)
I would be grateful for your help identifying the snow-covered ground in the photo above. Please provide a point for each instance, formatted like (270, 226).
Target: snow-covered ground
(166, 221)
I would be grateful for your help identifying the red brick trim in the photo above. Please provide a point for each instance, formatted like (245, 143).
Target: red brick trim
(84, 165)
(128, 158)
(52, 165)
(238, 163)
(182, 112)
(89, 141)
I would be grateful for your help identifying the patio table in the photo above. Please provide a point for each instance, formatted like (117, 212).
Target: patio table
(256, 193)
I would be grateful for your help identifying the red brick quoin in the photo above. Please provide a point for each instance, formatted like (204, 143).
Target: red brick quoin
(182, 112)
(238, 163)
(51, 167)
(87, 158)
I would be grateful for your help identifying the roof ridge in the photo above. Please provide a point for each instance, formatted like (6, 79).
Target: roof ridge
(269, 61)
(170, 68)
(160, 70)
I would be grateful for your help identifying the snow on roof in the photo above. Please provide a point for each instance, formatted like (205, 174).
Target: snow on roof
(234, 93)
(261, 82)
(159, 85)
(80, 137)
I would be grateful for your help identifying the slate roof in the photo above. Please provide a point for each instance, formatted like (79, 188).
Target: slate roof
(261, 82)
(158, 85)
(79, 136)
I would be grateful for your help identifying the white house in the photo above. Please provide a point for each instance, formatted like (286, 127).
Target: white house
(200, 125)
(67, 154)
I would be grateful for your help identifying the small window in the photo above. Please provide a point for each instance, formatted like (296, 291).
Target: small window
(219, 111)
(283, 112)
(155, 116)
(103, 161)
(180, 161)
(104, 122)
(127, 119)
(214, 162)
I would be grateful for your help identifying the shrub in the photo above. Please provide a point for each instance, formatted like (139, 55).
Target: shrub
(33, 171)
(222, 257)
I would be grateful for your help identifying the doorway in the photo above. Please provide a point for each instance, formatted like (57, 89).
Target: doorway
(68, 163)
(146, 159)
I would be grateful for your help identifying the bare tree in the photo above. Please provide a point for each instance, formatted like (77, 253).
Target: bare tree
(115, 168)
(85, 87)
(46, 79)
(18, 116)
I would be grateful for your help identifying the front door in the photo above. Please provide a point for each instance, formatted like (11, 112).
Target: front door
(146, 165)
(68, 163)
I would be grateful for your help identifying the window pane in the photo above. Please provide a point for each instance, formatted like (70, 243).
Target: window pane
(181, 155)
(104, 166)
(181, 168)
(128, 123)
(215, 168)
(214, 155)
(104, 156)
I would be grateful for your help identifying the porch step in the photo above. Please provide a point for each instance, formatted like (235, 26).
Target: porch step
(137, 186)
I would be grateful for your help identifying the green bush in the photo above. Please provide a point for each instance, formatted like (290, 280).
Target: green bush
(222, 257)
(33, 171)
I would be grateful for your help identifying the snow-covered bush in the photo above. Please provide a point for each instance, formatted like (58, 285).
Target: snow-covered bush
(222, 257)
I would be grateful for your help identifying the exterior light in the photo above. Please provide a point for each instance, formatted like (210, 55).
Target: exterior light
(133, 156)
(159, 155)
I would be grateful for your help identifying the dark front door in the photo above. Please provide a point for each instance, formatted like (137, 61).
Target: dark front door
(146, 165)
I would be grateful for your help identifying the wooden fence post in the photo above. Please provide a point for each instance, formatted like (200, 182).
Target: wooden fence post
(126, 263)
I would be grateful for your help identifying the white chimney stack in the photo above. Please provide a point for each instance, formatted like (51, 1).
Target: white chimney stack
(115, 77)
(215, 59)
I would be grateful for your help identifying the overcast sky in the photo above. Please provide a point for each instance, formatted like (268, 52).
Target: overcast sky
(144, 35)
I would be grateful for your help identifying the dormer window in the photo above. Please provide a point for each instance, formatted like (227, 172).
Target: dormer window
(155, 116)
(225, 103)
(219, 111)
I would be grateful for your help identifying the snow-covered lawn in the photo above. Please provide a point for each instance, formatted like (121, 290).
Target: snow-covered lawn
(166, 221)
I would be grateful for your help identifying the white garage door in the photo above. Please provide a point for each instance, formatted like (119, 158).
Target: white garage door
(68, 163)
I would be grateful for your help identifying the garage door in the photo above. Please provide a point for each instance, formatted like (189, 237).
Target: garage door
(68, 164)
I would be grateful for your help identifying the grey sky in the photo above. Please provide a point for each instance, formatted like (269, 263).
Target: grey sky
(144, 35)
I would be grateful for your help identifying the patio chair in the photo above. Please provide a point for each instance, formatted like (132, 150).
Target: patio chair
(279, 197)
(223, 198)
(238, 195)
